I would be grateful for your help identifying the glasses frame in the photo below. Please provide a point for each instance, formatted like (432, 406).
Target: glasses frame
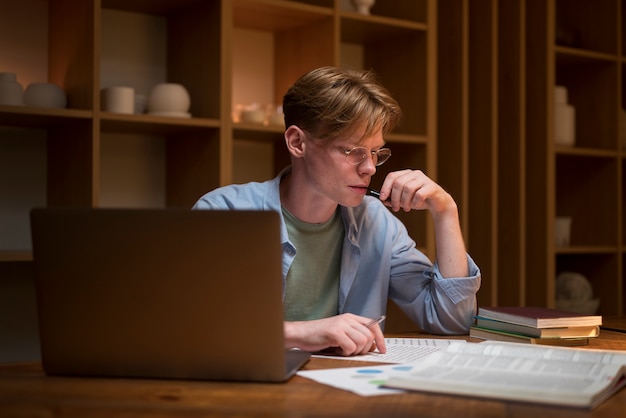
(377, 162)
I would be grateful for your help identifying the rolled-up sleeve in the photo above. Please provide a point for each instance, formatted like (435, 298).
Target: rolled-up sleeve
(391, 265)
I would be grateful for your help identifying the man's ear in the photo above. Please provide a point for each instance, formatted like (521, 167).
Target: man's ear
(294, 139)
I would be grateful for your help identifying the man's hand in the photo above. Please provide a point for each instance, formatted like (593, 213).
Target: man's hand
(346, 334)
(413, 190)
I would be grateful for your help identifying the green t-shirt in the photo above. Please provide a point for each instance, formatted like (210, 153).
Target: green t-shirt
(312, 290)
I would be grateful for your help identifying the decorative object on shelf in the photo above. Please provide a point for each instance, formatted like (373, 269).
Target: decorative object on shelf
(11, 91)
(564, 118)
(45, 95)
(252, 114)
(574, 293)
(169, 99)
(141, 101)
(118, 99)
(562, 231)
(363, 6)
(276, 117)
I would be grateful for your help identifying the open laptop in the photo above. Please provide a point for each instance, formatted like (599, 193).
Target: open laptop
(161, 293)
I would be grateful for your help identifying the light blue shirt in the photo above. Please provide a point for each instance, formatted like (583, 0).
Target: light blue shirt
(379, 261)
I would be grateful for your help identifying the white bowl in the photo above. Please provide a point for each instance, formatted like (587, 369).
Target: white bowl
(45, 95)
(168, 97)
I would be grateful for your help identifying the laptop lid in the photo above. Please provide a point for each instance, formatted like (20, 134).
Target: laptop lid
(163, 293)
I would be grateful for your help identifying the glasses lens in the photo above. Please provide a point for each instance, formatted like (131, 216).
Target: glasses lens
(356, 155)
(383, 155)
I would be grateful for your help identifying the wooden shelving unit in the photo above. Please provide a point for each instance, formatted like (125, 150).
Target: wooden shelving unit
(475, 79)
(499, 63)
(196, 155)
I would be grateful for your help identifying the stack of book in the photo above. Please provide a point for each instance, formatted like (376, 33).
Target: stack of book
(535, 325)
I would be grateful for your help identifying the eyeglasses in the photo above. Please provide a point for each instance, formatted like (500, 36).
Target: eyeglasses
(357, 155)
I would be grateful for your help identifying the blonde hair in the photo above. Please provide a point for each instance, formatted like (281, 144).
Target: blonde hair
(331, 101)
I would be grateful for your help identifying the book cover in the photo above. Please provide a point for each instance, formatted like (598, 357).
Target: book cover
(493, 335)
(560, 332)
(538, 317)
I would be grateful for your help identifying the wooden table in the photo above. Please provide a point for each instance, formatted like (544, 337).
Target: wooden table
(25, 391)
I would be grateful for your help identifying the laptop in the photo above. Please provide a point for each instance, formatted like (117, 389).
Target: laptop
(161, 293)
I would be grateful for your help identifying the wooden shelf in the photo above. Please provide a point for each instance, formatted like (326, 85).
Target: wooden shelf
(498, 65)
(192, 42)
(32, 117)
(155, 125)
(16, 256)
(277, 16)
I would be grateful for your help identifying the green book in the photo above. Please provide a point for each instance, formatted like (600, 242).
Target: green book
(494, 335)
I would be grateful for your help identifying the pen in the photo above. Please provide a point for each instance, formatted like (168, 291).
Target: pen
(373, 192)
(376, 321)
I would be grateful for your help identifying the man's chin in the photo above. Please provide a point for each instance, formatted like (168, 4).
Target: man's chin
(352, 203)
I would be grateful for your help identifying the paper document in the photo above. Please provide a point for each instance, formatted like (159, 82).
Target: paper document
(401, 350)
(367, 381)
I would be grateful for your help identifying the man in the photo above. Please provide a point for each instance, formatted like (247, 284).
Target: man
(345, 253)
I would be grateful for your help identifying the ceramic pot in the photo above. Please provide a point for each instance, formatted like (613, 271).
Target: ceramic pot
(11, 92)
(45, 95)
(118, 99)
(168, 99)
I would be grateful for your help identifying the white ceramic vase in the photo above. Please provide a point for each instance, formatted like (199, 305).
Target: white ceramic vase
(45, 95)
(363, 6)
(11, 92)
(169, 99)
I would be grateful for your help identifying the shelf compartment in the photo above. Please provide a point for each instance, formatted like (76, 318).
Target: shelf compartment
(251, 145)
(180, 43)
(587, 80)
(402, 55)
(602, 272)
(588, 25)
(301, 38)
(585, 190)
